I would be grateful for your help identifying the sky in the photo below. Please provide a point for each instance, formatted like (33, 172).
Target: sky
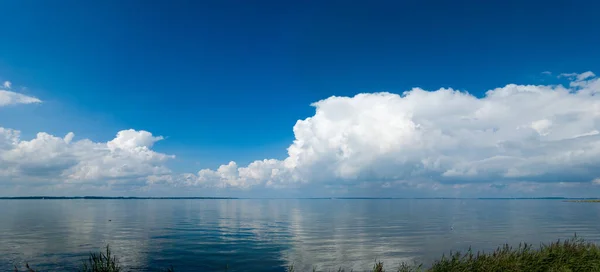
(300, 98)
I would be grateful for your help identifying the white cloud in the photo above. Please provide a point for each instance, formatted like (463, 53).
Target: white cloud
(12, 98)
(514, 133)
(47, 158)
(568, 75)
(131, 139)
(266, 172)
(514, 138)
(578, 80)
(585, 75)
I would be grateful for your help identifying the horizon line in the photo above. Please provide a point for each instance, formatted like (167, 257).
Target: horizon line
(234, 198)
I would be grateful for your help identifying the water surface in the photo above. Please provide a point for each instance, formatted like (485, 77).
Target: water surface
(268, 235)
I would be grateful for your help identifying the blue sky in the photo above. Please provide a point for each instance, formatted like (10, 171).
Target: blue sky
(227, 81)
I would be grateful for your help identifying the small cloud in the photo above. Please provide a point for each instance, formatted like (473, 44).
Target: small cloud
(12, 98)
(577, 76)
(596, 181)
(7, 84)
(568, 75)
(547, 73)
(579, 80)
(585, 75)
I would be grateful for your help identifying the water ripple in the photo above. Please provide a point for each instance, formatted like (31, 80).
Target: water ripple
(268, 235)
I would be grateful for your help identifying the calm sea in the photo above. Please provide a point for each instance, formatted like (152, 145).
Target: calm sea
(268, 235)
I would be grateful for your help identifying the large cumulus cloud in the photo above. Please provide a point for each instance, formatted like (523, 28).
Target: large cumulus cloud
(128, 158)
(532, 133)
(517, 138)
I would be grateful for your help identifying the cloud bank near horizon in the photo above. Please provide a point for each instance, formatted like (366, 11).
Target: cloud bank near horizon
(128, 158)
(516, 135)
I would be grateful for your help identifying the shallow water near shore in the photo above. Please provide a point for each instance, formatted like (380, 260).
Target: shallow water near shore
(269, 235)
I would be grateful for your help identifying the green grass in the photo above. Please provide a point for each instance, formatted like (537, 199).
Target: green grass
(101, 262)
(96, 262)
(561, 256)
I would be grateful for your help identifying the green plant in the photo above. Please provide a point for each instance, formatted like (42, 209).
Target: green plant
(378, 267)
(101, 262)
(404, 267)
(561, 256)
(569, 255)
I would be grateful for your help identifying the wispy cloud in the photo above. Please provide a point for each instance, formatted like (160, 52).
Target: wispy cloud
(567, 75)
(11, 98)
(578, 76)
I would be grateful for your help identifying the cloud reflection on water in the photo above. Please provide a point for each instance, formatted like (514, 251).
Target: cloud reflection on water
(251, 235)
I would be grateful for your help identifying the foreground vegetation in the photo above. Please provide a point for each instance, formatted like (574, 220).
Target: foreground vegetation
(561, 256)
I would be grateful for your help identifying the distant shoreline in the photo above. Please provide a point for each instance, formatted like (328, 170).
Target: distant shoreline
(566, 199)
(106, 197)
(584, 200)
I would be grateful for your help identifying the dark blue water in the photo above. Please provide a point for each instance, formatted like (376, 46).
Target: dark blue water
(268, 235)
